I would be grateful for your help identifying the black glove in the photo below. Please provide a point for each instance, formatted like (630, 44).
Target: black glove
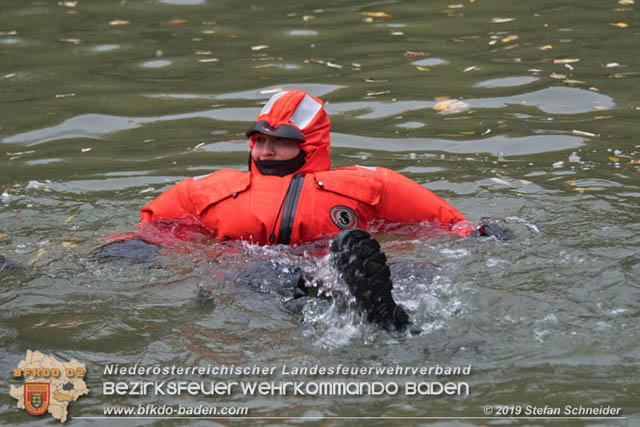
(493, 230)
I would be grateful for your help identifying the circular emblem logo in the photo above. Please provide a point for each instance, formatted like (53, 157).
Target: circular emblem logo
(343, 217)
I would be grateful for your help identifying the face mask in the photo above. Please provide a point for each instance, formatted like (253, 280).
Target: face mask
(279, 167)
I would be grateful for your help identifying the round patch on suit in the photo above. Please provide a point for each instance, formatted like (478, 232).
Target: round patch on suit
(343, 217)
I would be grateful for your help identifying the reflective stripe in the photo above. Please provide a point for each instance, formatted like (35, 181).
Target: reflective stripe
(267, 107)
(305, 112)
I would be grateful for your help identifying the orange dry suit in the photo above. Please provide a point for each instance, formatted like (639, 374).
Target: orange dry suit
(308, 204)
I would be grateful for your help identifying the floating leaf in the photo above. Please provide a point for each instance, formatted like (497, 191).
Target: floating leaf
(38, 257)
(377, 14)
(178, 21)
(68, 220)
(119, 22)
(500, 20)
(510, 38)
(546, 47)
(501, 181)
(423, 69)
(410, 53)
(397, 33)
(260, 47)
(72, 41)
(614, 159)
(451, 105)
(582, 133)
(557, 76)
(626, 2)
(634, 162)
(2, 236)
(67, 244)
(565, 60)
(620, 24)
(470, 132)
(207, 32)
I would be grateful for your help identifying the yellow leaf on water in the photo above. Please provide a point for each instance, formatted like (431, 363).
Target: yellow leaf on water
(423, 69)
(450, 105)
(565, 60)
(38, 256)
(546, 47)
(207, 32)
(68, 244)
(572, 183)
(178, 21)
(557, 76)
(410, 53)
(119, 22)
(2, 236)
(368, 19)
(500, 20)
(620, 24)
(68, 220)
(510, 38)
(468, 132)
(614, 159)
(582, 189)
(377, 14)
(625, 2)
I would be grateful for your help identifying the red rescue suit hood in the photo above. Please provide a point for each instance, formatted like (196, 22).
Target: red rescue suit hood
(295, 114)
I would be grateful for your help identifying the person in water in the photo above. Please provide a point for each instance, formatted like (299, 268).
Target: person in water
(290, 195)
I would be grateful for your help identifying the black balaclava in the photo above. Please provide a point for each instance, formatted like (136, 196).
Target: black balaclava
(279, 167)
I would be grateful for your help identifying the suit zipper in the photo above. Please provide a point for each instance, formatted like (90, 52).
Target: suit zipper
(288, 210)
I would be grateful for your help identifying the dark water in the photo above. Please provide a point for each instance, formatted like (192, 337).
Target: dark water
(525, 112)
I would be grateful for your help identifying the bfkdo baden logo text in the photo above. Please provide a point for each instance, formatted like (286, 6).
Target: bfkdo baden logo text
(50, 385)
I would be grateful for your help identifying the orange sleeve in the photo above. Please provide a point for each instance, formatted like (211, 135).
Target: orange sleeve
(405, 200)
(172, 203)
